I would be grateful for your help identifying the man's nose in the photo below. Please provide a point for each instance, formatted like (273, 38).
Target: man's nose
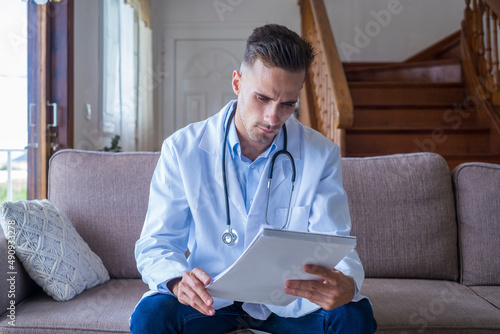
(271, 114)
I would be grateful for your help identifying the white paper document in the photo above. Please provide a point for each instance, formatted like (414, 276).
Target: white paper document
(273, 257)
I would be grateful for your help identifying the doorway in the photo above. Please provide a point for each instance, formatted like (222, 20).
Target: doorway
(13, 94)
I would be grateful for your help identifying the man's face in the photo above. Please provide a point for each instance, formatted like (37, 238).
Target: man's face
(266, 98)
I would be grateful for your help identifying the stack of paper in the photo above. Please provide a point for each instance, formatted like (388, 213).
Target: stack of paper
(273, 257)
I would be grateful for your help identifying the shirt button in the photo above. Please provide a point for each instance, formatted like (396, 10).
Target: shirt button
(252, 166)
(251, 202)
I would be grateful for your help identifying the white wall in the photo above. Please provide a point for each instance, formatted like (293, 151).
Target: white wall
(226, 12)
(220, 25)
(391, 30)
(411, 27)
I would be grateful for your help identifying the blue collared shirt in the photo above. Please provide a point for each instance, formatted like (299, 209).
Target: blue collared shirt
(249, 172)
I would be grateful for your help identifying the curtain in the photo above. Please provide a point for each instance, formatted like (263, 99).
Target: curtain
(111, 67)
(146, 132)
(127, 66)
(144, 9)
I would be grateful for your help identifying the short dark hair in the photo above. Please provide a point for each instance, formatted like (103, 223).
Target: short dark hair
(277, 46)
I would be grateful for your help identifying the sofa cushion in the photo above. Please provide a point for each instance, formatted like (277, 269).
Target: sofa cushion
(105, 196)
(477, 188)
(103, 309)
(52, 252)
(429, 306)
(403, 215)
(490, 293)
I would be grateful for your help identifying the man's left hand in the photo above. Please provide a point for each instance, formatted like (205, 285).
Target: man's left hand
(335, 290)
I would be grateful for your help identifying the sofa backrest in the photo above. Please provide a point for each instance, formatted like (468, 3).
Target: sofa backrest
(403, 215)
(477, 192)
(402, 209)
(105, 196)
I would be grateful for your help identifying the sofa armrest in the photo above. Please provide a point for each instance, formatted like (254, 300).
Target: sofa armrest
(15, 284)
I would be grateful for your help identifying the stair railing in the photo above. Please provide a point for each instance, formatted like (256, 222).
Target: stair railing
(326, 103)
(480, 56)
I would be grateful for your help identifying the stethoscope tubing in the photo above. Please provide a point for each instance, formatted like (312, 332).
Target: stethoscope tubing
(229, 237)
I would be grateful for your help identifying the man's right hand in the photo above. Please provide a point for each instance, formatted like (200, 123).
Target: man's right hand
(190, 290)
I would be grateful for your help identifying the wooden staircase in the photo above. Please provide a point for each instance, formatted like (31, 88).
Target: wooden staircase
(415, 106)
(445, 99)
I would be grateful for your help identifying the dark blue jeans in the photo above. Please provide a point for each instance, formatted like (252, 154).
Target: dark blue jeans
(164, 314)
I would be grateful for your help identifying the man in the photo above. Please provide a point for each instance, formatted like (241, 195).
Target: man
(187, 206)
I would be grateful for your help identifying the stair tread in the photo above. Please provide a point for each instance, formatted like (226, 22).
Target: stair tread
(467, 128)
(408, 107)
(403, 93)
(399, 141)
(411, 117)
(403, 107)
(428, 71)
(355, 67)
(385, 131)
(404, 85)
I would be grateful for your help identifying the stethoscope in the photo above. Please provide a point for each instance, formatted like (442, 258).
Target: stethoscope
(230, 236)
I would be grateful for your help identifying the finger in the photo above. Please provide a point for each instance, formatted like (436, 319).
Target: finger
(201, 306)
(318, 298)
(307, 285)
(336, 290)
(191, 291)
(324, 295)
(190, 297)
(202, 276)
(319, 271)
(197, 280)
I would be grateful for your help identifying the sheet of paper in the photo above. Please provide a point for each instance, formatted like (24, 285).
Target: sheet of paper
(273, 257)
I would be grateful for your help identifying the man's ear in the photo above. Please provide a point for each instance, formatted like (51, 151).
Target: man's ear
(236, 82)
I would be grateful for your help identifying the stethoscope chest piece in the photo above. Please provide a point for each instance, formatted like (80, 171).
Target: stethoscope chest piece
(230, 237)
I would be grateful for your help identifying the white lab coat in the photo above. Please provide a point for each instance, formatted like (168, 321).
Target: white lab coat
(187, 206)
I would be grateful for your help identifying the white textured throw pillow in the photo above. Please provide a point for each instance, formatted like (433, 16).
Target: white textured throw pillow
(50, 248)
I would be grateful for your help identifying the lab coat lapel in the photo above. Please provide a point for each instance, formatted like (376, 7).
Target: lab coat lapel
(282, 167)
(233, 185)
(278, 178)
(211, 142)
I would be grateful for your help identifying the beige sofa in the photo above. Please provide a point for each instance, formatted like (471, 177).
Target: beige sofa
(429, 240)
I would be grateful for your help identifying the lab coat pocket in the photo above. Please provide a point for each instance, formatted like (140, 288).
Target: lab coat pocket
(297, 221)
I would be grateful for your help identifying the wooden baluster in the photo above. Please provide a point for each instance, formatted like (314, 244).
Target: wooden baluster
(332, 100)
(324, 89)
(324, 83)
(330, 111)
(474, 28)
(495, 98)
(496, 74)
(488, 65)
(331, 108)
(319, 88)
(475, 35)
(480, 51)
(466, 23)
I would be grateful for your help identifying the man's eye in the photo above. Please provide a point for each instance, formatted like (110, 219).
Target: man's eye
(262, 98)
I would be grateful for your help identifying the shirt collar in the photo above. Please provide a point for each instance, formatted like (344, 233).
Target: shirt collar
(235, 147)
